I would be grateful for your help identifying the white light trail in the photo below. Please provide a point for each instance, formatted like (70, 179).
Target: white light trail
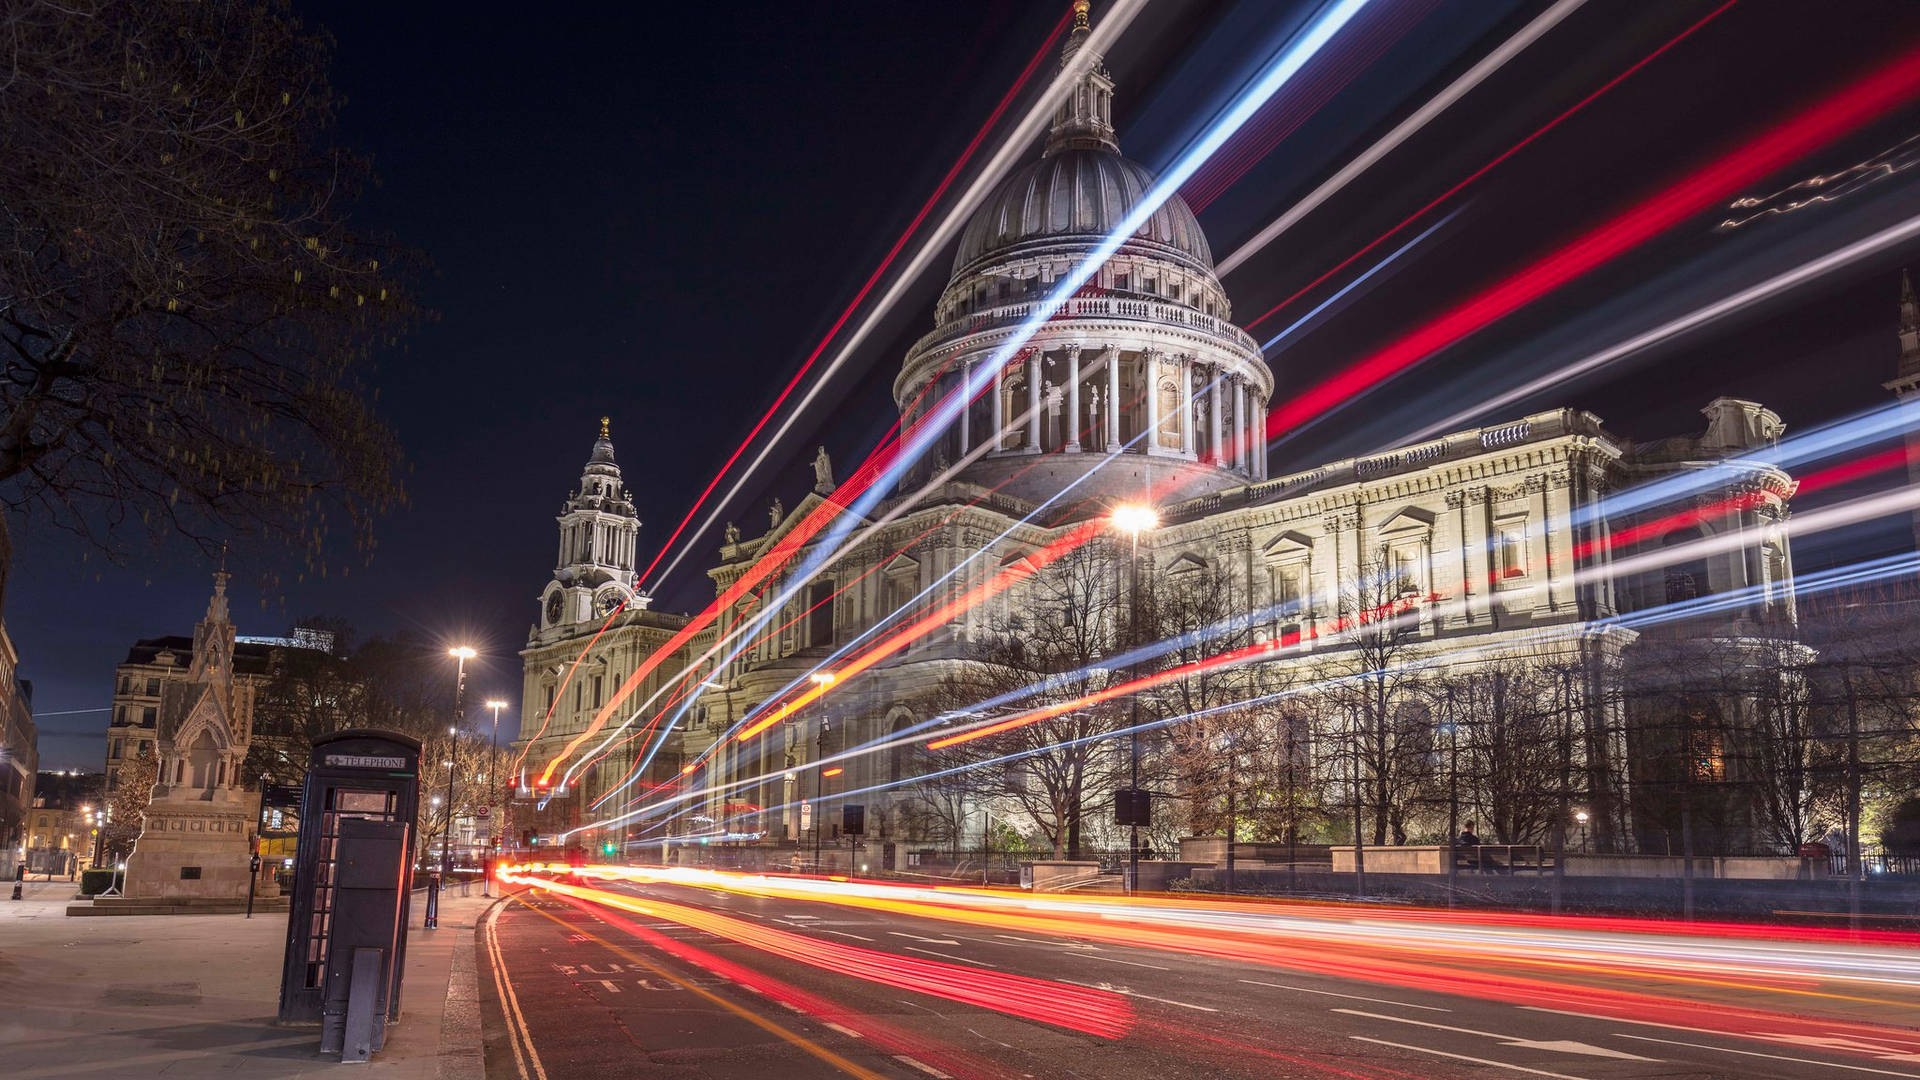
(1016, 142)
(1866, 247)
(1402, 131)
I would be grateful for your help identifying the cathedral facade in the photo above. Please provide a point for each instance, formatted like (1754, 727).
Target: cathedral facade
(1498, 540)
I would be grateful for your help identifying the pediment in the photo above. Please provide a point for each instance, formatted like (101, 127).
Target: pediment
(1187, 563)
(1409, 519)
(1288, 543)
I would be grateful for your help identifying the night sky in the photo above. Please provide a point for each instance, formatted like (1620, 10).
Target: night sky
(654, 211)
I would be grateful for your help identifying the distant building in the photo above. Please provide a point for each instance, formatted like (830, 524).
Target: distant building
(60, 826)
(19, 739)
(155, 663)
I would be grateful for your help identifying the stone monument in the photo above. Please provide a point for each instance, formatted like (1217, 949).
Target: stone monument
(195, 843)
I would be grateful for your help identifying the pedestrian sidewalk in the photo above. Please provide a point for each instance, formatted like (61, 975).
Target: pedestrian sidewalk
(195, 995)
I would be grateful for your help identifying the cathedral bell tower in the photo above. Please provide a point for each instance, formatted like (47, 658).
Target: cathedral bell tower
(599, 536)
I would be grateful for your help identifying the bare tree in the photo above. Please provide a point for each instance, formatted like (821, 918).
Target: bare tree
(1385, 724)
(186, 315)
(1502, 744)
(1051, 647)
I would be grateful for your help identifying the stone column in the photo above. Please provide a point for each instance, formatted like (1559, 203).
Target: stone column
(1186, 405)
(1259, 440)
(1072, 434)
(1213, 419)
(999, 409)
(966, 408)
(1112, 353)
(1150, 363)
(1239, 423)
(1033, 402)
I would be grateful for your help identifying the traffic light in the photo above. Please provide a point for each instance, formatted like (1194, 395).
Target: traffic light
(608, 848)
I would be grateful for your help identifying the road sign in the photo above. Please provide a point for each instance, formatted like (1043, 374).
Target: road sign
(485, 811)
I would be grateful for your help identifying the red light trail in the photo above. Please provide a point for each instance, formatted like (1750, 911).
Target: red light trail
(1489, 166)
(939, 190)
(1847, 110)
(1282, 117)
(1076, 1008)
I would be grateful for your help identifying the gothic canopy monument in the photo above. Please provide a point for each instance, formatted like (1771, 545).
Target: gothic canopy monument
(195, 843)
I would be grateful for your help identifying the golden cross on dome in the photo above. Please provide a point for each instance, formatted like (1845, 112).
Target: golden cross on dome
(604, 421)
(1080, 14)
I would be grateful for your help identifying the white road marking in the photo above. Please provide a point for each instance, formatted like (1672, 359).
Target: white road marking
(1561, 1046)
(1464, 1057)
(1842, 1042)
(847, 1031)
(1129, 963)
(1127, 992)
(1349, 997)
(948, 956)
(1077, 946)
(928, 940)
(922, 1066)
(611, 988)
(1774, 1057)
(843, 933)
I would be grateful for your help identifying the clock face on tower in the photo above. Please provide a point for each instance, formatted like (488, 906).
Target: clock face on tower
(554, 603)
(606, 602)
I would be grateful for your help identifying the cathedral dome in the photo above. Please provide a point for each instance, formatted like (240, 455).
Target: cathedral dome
(1080, 193)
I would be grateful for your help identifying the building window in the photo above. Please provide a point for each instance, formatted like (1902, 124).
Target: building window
(148, 716)
(820, 614)
(1405, 565)
(551, 689)
(596, 691)
(119, 745)
(1513, 554)
(153, 687)
(1706, 756)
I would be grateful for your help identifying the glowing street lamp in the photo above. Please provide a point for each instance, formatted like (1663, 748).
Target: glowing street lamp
(461, 654)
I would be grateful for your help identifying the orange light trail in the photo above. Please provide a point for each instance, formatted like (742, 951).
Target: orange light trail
(1094, 1012)
(1562, 956)
(900, 639)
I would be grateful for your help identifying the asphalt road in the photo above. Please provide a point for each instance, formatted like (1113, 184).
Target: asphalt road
(710, 983)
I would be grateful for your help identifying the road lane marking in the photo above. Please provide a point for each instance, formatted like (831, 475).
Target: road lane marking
(922, 1066)
(1464, 1057)
(949, 956)
(751, 1017)
(1077, 946)
(927, 940)
(1349, 997)
(1772, 1057)
(517, 1030)
(843, 933)
(847, 1031)
(1560, 1046)
(1111, 989)
(1129, 963)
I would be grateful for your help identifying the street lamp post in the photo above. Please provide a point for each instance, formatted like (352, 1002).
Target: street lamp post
(493, 768)
(1133, 520)
(461, 654)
